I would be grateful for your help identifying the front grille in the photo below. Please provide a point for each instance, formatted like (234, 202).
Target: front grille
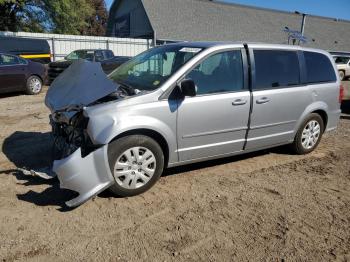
(68, 138)
(54, 72)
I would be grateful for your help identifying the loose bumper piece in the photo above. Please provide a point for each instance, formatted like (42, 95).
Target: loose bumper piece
(88, 176)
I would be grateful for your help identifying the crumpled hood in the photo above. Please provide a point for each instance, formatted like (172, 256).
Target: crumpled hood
(81, 84)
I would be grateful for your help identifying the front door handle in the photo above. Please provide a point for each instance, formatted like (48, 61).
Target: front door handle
(262, 100)
(239, 102)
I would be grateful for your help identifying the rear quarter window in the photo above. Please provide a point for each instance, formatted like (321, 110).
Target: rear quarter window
(319, 68)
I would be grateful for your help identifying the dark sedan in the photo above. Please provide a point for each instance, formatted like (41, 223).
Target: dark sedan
(18, 74)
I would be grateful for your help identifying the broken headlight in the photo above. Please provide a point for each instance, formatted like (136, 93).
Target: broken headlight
(70, 135)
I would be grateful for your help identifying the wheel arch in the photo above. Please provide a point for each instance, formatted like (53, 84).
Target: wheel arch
(42, 81)
(319, 108)
(323, 114)
(159, 138)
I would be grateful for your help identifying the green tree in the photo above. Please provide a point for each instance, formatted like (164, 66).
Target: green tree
(97, 22)
(56, 16)
(67, 16)
(21, 15)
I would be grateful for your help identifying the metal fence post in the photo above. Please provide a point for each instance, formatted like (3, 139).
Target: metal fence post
(53, 49)
(154, 38)
(107, 44)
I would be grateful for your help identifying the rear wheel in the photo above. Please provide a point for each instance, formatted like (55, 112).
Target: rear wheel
(136, 163)
(34, 85)
(309, 135)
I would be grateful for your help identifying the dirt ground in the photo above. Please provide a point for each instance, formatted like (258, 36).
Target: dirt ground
(269, 205)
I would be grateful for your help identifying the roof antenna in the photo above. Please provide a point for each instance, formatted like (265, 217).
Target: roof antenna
(294, 36)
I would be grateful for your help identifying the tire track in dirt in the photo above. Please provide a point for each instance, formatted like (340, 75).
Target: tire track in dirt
(269, 205)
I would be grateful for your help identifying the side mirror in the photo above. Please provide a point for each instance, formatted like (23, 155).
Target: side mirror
(188, 87)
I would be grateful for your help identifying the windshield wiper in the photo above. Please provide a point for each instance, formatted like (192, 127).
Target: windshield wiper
(127, 88)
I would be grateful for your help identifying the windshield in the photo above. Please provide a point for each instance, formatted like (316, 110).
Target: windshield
(342, 60)
(81, 54)
(151, 69)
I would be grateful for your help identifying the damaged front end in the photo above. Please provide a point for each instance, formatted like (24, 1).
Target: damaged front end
(80, 165)
(69, 134)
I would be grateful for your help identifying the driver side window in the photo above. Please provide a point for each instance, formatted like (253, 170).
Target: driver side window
(219, 73)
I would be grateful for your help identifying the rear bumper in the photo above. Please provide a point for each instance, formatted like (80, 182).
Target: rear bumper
(333, 120)
(88, 176)
(346, 92)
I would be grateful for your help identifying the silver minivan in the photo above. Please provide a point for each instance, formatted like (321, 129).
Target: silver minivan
(183, 103)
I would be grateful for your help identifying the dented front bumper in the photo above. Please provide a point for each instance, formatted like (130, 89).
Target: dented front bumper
(88, 176)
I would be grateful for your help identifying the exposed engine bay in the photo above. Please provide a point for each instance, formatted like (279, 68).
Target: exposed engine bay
(67, 98)
(69, 135)
(69, 127)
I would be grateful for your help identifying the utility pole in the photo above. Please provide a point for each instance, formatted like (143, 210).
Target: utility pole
(154, 38)
(302, 29)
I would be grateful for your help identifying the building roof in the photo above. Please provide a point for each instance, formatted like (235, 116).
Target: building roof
(205, 20)
(199, 20)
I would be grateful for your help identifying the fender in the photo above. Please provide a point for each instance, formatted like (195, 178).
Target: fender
(319, 105)
(102, 130)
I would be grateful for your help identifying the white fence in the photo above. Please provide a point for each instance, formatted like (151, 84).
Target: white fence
(62, 45)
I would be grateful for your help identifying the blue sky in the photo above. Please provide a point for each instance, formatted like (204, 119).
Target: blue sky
(329, 8)
(108, 3)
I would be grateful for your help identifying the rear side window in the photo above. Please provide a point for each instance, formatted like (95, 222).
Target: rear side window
(341, 60)
(7, 60)
(318, 68)
(22, 61)
(276, 69)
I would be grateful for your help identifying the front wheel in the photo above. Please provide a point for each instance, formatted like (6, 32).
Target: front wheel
(309, 135)
(136, 163)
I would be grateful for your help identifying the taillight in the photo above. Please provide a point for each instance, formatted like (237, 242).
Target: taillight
(341, 93)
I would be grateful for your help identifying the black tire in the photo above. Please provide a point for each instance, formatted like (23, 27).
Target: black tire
(297, 145)
(342, 75)
(30, 88)
(115, 150)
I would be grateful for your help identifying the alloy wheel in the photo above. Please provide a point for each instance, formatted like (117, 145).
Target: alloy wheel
(311, 134)
(35, 85)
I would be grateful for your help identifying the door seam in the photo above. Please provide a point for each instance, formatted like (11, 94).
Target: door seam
(250, 87)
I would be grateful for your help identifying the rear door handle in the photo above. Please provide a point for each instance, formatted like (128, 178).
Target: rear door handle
(239, 102)
(262, 100)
